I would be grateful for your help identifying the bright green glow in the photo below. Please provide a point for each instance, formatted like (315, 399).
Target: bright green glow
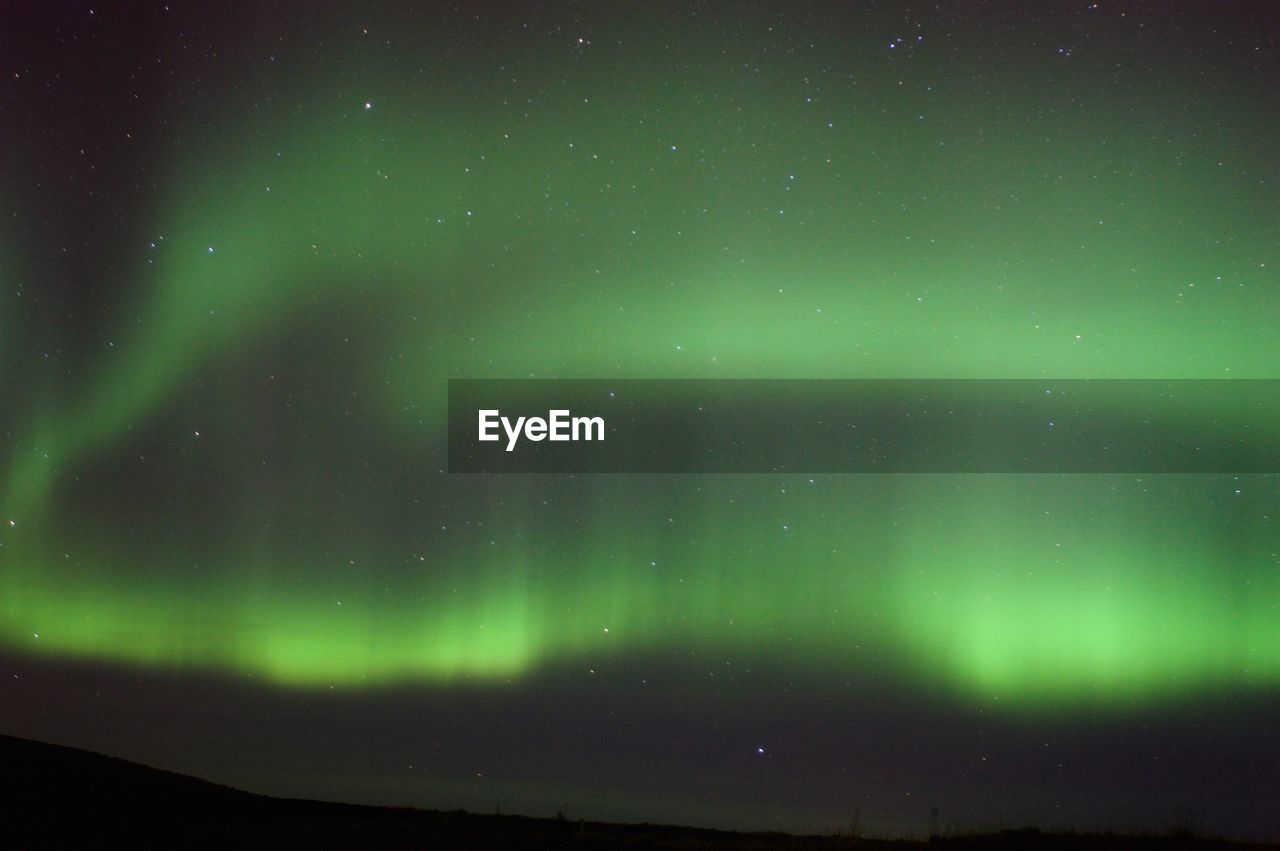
(411, 243)
(512, 613)
(1014, 588)
(1063, 603)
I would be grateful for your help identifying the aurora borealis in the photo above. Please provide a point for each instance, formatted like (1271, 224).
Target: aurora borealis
(243, 254)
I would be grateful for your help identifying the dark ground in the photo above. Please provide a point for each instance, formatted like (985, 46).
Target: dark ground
(63, 797)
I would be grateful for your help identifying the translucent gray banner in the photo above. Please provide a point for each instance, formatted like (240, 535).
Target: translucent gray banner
(864, 426)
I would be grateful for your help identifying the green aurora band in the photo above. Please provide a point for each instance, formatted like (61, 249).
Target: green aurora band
(336, 269)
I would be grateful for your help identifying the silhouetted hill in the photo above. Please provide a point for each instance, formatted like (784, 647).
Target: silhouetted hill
(64, 797)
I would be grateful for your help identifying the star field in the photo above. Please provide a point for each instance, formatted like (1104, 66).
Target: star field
(241, 254)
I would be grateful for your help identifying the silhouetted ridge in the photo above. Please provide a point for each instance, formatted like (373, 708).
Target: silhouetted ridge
(62, 797)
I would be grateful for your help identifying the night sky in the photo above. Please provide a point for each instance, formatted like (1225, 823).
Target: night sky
(243, 247)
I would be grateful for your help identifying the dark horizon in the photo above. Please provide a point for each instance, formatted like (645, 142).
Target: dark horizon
(69, 793)
(350, 728)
